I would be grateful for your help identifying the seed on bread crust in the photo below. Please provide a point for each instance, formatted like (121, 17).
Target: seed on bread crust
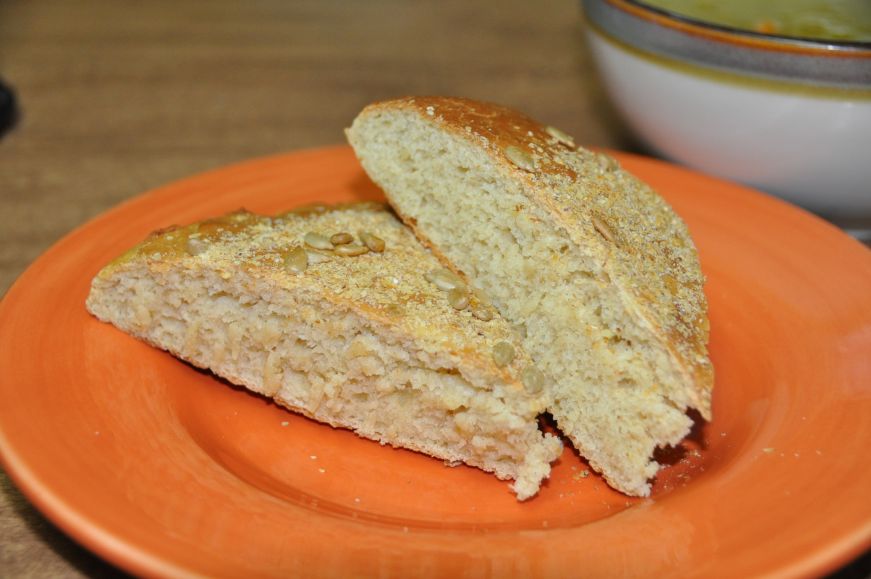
(296, 260)
(373, 242)
(196, 245)
(603, 228)
(458, 298)
(561, 137)
(503, 354)
(317, 255)
(482, 312)
(351, 250)
(444, 279)
(390, 282)
(520, 158)
(317, 241)
(341, 238)
(532, 379)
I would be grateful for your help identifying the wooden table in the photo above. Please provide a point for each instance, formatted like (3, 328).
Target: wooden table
(120, 97)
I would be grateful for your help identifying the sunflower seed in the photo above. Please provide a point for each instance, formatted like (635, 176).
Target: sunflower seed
(341, 238)
(561, 137)
(603, 228)
(444, 279)
(351, 250)
(296, 260)
(520, 158)
(390, 282)
(317, 256)
(458, 298)
(532, 379)
(196, 246)
(373, 242)
(317, 241)
(503, 354)
(482, 312)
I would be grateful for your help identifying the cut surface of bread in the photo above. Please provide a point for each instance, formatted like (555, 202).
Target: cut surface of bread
(595, 268)
(350, 332)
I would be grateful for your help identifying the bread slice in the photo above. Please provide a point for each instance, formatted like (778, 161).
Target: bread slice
(354, 337)
(592, 264)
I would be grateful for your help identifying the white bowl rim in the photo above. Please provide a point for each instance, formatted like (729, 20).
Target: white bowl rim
(827, 44)
(809, 62)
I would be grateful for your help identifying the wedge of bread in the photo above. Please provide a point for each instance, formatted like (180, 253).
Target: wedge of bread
(593, 265)
(339, 314)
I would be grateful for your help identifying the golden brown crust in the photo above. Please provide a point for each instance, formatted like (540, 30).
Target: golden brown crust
(389, 287)
(621, 221)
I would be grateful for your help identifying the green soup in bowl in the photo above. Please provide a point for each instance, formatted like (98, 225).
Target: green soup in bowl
(843, 20)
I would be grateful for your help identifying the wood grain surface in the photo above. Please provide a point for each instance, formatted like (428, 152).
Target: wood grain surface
(117, 97)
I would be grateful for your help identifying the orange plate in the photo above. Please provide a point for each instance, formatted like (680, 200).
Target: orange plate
(163, 469)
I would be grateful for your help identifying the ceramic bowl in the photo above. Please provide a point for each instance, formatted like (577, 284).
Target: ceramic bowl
(790, 116)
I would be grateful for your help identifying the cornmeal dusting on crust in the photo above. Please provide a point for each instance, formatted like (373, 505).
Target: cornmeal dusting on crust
(652, 255)
(391, 286)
